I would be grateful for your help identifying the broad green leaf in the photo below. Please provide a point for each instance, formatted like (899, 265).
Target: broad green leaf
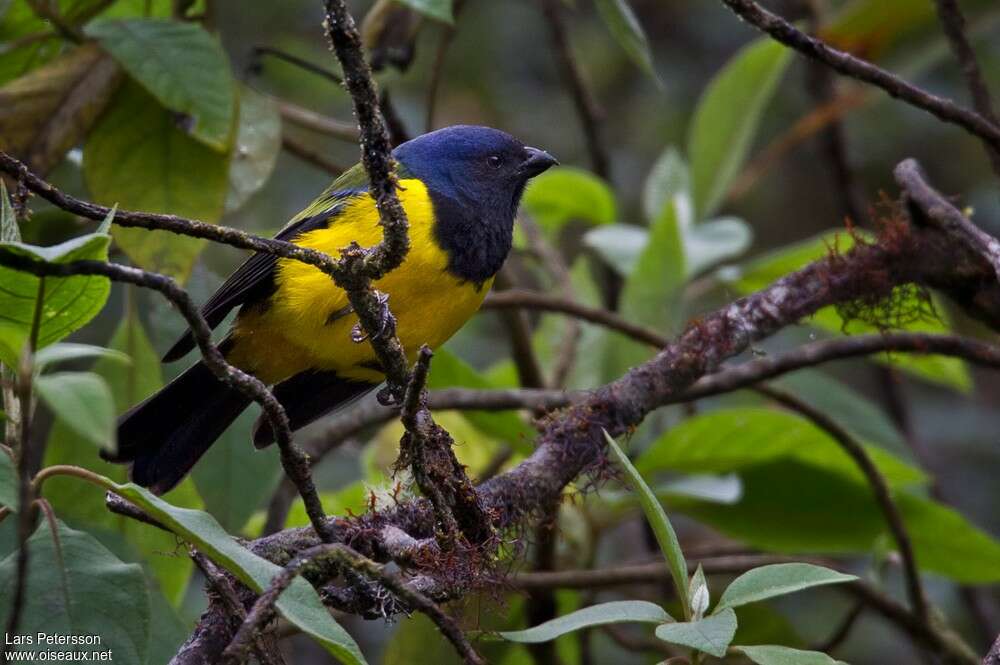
(440, 10)
(8, 482)
(658, 521)
(255, 150)
(859, 414)
(726, 120)
(565, 194)
(667, 180)
(137, 157)
(790, 507)
(627, 31)
(769, 654)
(66, 351)
(777, 580)
(619, 245)
(180, 64)
(79, 504)
(712, 242)
(300, 604)
(622, 611)
(68, 303)
(450, 371)
(651, 295)
(729, 440)
(761, 272)
(77, 587)
(234, 478)
(49, 110)
(705, 244)
(83, 402)
(711, 634)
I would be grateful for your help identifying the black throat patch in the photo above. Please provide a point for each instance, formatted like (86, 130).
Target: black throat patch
(477, 242)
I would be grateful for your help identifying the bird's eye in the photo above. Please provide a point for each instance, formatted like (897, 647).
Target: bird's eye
(495, 161)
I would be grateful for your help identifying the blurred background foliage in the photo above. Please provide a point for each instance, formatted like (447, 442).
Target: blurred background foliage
(717, 182)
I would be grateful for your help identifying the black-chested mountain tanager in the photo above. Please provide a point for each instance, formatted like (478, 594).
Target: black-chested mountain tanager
(460, 187)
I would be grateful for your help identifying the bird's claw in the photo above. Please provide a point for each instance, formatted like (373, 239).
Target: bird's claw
(386, 320)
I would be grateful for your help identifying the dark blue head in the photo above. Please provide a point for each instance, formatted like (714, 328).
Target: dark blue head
(475, 176)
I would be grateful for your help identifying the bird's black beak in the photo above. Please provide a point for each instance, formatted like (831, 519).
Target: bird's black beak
(537, 162)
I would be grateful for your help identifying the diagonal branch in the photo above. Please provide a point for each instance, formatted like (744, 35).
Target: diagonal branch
(848, 65)
(953, 23)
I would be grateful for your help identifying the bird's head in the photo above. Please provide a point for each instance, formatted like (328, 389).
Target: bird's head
(481, 168)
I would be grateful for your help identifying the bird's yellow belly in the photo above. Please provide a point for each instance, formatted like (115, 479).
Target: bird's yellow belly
(294, 332)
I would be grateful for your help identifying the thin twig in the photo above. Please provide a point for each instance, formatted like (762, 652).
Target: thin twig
(437, 67)
(879, 487)
(843, 631)
(953, 23)
(303, 64)
(587, 110)
(264, 645)
(310, 156)
(317, 122)
(848, 65)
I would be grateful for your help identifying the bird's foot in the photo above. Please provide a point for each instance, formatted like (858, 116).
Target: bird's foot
(386, 320)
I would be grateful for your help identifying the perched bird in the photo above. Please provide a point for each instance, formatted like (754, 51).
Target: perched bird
(460, 187)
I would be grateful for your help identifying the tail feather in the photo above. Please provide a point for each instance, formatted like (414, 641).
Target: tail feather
(165, 436)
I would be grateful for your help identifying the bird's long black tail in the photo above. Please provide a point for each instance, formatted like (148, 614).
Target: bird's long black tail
(164, 436)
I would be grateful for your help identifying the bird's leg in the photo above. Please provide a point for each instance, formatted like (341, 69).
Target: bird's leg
(387, 321)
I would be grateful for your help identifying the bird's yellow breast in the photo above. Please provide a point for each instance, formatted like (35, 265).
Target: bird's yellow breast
(294, 332)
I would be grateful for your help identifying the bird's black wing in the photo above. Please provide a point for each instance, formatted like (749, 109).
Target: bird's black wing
(254, 280)
(308, 396)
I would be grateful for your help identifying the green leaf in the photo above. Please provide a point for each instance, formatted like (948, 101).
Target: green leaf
(709, 243)
(80, 505)
(767, 654)
(440, 10)
(628, 32)
(8, 482)
(651, 295)
(66, 351)
(300, 604)
(77, 587)
(777, 580)
(658, 521)
(711, 634)
(255, 150)
(180, 64)
(733, 439)
(667, 180)
(83, 402)
(618, 245)
(790, 507)
(450, 371)
(565, 194)
(137, 157)
(761, 272)
(622, 611)
(69, 302)
(726, 120)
